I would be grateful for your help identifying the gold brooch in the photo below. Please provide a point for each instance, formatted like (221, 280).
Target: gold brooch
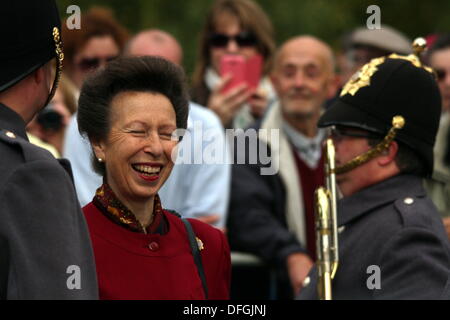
(362, 77)
(200, 244)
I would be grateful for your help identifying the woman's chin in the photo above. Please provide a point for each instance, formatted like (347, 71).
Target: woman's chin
(143, 195)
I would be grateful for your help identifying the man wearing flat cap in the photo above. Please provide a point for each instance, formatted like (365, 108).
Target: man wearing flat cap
(392, 243)
(45, 250)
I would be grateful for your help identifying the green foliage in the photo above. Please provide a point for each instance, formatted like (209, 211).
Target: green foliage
(325, 19)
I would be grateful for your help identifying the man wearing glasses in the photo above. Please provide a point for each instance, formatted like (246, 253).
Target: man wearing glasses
(45, 251)
(392, 243)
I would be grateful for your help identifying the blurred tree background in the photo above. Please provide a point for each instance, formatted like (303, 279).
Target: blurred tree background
(326, 19)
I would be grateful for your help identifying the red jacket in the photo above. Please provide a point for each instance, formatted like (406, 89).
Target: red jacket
(134, 265)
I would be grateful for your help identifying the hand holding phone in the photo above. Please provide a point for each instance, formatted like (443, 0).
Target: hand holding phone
(235, 66)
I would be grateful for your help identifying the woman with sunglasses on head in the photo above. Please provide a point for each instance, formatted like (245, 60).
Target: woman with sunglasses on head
(238, 28)
(99, 40)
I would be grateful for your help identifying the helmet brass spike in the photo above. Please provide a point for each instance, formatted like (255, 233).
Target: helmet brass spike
(419, 45)
(398, 122)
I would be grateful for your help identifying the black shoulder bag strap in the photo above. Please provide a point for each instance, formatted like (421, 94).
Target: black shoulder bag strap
(196, 255)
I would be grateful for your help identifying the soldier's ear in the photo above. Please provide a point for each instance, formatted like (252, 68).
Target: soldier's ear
(39, 75)
(388, 156)
(98, 147)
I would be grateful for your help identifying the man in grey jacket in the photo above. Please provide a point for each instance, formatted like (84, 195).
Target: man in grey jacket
(392, 243)
(45, 250)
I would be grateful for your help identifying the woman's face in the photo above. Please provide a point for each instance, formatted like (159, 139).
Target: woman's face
(229, 26)
(138, 150)
(95, 54)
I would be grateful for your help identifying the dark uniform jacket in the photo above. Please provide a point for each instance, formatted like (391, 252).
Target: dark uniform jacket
(392, 245)
(45, 249)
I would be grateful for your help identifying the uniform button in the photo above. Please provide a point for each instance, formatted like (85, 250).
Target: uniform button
(153, 246)
(10, 134)
(408, 201)
(306, 281)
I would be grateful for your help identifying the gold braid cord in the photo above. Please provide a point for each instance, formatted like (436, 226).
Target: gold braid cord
(58, 48)
(398, 123)
(59, 62)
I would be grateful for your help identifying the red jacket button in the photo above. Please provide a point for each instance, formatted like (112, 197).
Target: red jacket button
(153, 246)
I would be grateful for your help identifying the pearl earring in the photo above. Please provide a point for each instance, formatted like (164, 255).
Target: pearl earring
(100, 159)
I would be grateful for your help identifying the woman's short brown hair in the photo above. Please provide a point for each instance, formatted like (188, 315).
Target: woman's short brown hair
(251, 18)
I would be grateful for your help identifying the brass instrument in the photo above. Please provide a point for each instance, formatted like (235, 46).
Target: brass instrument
(326, 227)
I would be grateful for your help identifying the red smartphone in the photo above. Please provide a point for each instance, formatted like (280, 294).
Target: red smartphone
(254, 70)
(242, 70)
(235, 65)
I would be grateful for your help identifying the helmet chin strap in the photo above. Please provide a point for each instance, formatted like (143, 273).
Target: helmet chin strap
(398, 122)
(59, 64)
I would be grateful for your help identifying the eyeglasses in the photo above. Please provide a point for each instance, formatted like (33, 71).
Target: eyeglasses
(87, 64)
(243, 39)
(337, 133)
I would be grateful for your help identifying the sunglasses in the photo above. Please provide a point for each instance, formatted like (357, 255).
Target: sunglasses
(337, 133)
(243, 39)
(87, 64)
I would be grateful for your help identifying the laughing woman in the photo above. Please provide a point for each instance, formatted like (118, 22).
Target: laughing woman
(128, 111)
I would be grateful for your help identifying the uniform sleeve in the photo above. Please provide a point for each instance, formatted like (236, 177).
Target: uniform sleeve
(50, 251)
(414, 265)
(252, 227)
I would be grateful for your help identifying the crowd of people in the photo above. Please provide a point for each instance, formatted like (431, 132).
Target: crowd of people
(142, 215)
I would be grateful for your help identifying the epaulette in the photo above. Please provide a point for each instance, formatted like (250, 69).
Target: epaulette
(413, 211)
(8, 136)
(11, 139)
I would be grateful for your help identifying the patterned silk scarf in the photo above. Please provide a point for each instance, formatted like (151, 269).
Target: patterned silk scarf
(115, 210)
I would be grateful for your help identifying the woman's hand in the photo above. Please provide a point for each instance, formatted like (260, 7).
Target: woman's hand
(227, 104)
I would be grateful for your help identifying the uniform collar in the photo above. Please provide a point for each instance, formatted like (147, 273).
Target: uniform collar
(377, 195)
(11, 121)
